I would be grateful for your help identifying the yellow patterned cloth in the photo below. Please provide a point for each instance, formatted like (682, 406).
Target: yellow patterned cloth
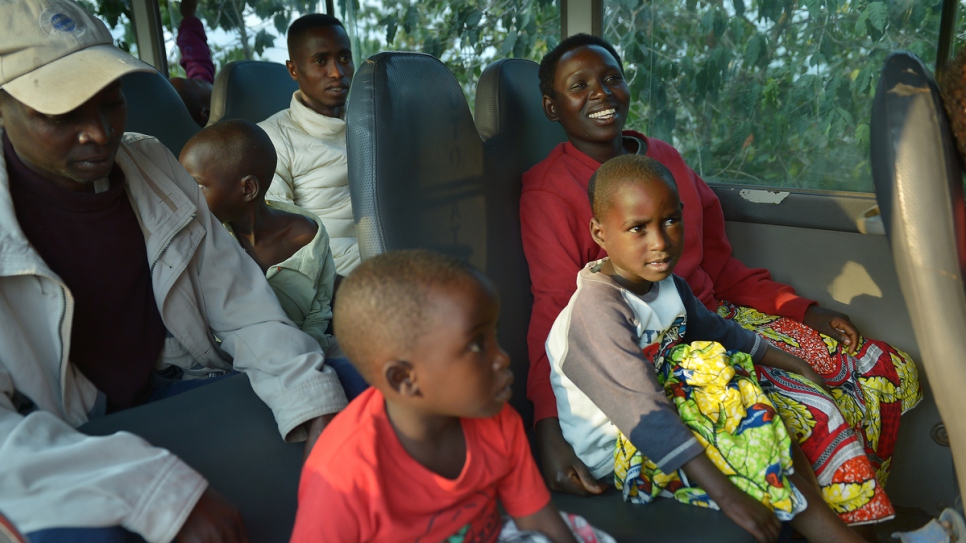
(718, 397)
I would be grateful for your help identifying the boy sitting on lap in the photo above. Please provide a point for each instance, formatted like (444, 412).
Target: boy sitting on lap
(429, 450)
(234, 162)
(626, 316)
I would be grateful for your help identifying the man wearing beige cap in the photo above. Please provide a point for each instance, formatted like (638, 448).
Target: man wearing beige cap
(111, 266)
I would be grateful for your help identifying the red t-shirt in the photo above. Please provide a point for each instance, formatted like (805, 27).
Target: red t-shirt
(555, 220)
(359, 484)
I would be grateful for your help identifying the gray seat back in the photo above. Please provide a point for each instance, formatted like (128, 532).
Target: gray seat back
(919, 186)
(253, 90)
(154, 108)
(516, 135)
(418, 178)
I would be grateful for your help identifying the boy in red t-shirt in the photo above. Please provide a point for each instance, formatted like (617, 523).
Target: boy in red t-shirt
(426, 453)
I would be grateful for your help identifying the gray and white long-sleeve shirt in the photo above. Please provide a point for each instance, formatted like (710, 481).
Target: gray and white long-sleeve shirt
(603, 349)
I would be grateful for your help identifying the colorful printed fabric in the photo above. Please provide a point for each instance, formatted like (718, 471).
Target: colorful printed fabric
(582, 531)
(872, 388)
(719, 399)
(845, 474)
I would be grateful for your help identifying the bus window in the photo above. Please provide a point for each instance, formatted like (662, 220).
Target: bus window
(118, 17)
(465, 34)
(244, 30)
(770, 92)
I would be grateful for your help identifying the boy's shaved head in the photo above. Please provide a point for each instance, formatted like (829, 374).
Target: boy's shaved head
(382, 308)
(617, 172)
(953, 88)
(298, 29)
(548, 66)
(238, 148)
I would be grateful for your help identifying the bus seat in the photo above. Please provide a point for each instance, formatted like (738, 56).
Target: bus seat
(253, 90)
(420, 176)
(919, 187)
(224, 431)
(509, 113)
(154, 108)
(516, 135)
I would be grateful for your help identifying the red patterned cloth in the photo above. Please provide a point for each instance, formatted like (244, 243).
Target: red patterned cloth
(871, 390)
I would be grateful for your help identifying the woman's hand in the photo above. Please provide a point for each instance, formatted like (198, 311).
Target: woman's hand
(833, 324)
(561, 468)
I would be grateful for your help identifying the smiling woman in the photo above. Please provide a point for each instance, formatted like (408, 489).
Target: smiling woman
(555, 215)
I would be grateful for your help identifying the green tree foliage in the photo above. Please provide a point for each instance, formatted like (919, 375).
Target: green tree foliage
(767, 92)
(465, 34)
(233, 16)
(771, 92)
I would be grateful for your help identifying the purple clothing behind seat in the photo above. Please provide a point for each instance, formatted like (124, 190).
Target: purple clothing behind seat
(94, 243)
(195, 55)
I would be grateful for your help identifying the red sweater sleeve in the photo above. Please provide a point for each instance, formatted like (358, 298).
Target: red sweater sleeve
(555, 224)
(732, 280)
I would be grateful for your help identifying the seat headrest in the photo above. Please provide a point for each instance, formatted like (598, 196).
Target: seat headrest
(509, 106)
(914, 161)
(253, 90)
(415, 159)
(155, 108)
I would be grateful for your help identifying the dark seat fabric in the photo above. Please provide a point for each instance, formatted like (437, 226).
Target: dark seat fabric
(225, 432)
(253, 90)
(516, 135)
(919, 187)
(154, 108)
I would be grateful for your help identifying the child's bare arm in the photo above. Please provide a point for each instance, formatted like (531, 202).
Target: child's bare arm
(548, 522)
(744, 510)
(777, 358)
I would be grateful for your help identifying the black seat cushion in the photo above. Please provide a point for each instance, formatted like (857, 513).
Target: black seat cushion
(253, 90)
(154, 108)
(225, 432)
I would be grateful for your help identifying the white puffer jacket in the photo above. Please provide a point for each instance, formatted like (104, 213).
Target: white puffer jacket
(312, 173)
(205, 286)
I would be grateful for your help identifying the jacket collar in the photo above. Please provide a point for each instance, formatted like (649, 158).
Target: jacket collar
(314, 124)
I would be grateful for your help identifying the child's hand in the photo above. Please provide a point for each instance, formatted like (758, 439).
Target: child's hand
(777, 358)
(561, 468)
(751, 515)
(833, 324)
(744, 510)
(813, 376)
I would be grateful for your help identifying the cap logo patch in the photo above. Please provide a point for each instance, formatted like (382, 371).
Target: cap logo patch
(55, 23)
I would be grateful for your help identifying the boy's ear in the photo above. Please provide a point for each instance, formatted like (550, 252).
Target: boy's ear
(401, 378)
(597, 232)
(291, 70)
(250, 187)
(549, 109)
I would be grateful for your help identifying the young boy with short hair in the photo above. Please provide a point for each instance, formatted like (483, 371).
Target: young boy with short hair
(626, 316)
(234, 161)
(427, 452)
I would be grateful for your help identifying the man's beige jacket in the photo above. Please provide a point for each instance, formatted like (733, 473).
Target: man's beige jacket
(206, 287)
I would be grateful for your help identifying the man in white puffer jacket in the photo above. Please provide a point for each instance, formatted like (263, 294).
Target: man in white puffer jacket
(309, 136)
(110, 264)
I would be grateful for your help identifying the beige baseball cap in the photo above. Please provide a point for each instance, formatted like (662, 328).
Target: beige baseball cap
(54, 56)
